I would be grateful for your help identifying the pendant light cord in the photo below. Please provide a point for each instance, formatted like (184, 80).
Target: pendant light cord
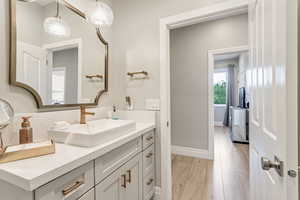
(57, 8)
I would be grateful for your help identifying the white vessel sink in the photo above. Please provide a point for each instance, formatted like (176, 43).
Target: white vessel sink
(93, 133)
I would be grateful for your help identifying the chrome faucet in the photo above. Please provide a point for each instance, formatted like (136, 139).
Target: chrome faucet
(83, 114)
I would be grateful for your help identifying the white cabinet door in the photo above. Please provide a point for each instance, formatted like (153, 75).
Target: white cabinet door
(134, 173)
(111, 187)
(90, 195)
(268, 114)
(123, 184)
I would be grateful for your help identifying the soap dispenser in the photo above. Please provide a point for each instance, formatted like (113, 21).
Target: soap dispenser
(26, 131)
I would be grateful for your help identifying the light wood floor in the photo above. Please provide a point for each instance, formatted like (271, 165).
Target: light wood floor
(225, 178)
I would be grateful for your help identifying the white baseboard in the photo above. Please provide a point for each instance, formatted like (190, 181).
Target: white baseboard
(157, 193)
(218, 123)
(192, 152)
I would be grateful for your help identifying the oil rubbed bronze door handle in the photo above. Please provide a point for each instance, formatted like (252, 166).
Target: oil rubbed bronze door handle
(124, 181)
(129, 176)
(72, 187)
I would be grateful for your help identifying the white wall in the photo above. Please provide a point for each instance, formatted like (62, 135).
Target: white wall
(189, 75)
(30, 19)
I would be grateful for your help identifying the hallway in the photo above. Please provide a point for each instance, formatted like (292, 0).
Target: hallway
(225, 178)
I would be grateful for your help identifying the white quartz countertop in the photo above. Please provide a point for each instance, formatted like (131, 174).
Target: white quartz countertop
(32, 173)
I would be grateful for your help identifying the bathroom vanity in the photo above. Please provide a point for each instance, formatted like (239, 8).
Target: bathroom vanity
(102, 160)
(120, 169)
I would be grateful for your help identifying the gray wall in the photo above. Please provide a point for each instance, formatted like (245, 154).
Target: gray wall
(219, 113)
(189, 75)
(69, 59)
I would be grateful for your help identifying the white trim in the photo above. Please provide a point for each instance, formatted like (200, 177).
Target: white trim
(191, 152)
(218, 123)
(63, 45)
(157, 193)
(208, 13)
(220, 10)
(68, 44)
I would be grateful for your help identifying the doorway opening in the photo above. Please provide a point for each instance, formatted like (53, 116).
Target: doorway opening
(230, 102)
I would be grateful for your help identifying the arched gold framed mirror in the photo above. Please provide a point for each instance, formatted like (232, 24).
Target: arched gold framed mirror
(56, 54)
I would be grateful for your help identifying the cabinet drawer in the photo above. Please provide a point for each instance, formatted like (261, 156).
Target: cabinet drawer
(111, 161)
(148, 160)
(90, 195)
(148, 185)
(69, 186)
(148, 139)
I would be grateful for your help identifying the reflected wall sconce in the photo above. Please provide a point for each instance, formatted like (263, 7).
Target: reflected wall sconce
(133, 74)
(97, 76)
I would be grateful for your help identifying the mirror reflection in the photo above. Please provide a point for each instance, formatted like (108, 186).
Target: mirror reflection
(59, 53)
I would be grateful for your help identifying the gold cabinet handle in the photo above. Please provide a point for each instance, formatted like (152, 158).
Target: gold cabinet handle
(124, 181)
(72, 187)
(149, 138)
(150, 181)
(149, 155)
(129, 176)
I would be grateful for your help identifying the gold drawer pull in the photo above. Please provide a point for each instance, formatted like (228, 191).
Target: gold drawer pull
(149, 138)
(72, 187)
(149, 155)
(129, 176)
(150, 181)
(124, 181)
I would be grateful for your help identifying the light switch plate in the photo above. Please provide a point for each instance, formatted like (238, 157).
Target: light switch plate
(153, 104)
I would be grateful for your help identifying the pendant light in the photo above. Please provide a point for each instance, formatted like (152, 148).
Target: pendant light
(100, 14)
(55, 25)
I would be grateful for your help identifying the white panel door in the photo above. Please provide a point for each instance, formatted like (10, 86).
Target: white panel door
(268, 111)
(31, 67)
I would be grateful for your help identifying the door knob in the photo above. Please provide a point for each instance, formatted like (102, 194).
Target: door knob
(276, 164)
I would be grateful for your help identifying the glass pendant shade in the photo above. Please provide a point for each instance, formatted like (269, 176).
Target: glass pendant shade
(101, 14)
(56, 26)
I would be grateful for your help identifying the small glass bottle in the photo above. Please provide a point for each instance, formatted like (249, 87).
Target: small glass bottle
(26, 131)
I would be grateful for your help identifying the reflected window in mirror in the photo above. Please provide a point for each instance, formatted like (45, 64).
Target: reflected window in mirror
(58, 85)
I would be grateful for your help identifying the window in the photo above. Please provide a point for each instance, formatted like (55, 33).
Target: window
(58, 85)
(220, 88)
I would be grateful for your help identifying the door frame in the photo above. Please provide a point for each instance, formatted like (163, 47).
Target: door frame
(68, 44)
(212, 12)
